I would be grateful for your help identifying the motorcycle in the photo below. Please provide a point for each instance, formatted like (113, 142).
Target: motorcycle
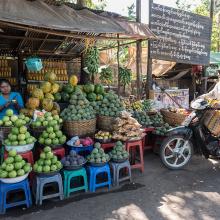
(181, 142)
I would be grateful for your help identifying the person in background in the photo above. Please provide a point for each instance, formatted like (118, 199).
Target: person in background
(9, 99)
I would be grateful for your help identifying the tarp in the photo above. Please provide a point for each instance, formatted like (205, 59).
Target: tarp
(215, 58)
(40, 14)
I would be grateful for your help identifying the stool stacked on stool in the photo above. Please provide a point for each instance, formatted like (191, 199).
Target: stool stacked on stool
(132, 146)
(116, 167)
(6, 188)
(93, 172)
(39, 184)
(69, 175)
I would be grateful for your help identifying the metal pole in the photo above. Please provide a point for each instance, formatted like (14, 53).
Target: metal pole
(138, 51)
(149, 62)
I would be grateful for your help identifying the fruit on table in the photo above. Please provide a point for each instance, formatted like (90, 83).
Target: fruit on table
(73, 80)
(111, 105)
(73, 159)
(142, 118)
(49, 96)
(48, 162)
(57, 97)
(79, 108)
(19, 135)
(91, 97)
(47, 119)
(33, 103)
(37, 93)
(119, 152)
(14, 166)
(55, 88)
(162, 130)
(147, 105)
(103, 135)
(99, 89)
(50, 77)
(10, 119)
(52, 136)
(47, 104)
(98, 155)
(157, 119)
(46, 87)
(89, 88)
(137, 106)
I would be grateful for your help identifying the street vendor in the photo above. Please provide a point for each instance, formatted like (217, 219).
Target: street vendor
(9, 99)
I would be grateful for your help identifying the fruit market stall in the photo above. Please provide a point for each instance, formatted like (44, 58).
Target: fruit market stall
(61, 132)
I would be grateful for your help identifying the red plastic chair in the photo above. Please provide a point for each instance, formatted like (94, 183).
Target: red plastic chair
(131, 147)
(28, 156)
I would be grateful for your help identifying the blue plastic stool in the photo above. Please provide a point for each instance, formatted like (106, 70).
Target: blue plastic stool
(69, 175)
(93, 172)
(83, 151)
(116, 167)
(5, 188)
(39, 184)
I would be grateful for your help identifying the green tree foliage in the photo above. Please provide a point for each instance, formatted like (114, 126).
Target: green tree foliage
(131, 12)
(203, 9)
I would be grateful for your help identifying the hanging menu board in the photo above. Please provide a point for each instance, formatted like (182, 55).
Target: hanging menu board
(183, 37)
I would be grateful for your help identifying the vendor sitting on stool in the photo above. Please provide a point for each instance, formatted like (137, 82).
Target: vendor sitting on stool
(9, 99)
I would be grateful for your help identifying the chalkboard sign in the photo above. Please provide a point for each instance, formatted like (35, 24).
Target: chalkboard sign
(183, 37)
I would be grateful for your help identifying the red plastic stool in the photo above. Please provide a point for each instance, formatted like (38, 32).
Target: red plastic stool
(148, 140)
(59, 152)
(28, 156)
(131, 146)
(107, 146)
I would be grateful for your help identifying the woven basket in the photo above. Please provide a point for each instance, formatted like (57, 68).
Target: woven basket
(211, 120)
(5, 131)
(80, 128)
(172, 118)
(36, 132)
(105, 123)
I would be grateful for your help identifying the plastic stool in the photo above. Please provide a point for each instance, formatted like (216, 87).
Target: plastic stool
(39, 184)
(93, 172)
(107, 146)
(5, 188)
(116, 167)
(67, 177)
(84, 151)
(59, 152)
(28, 156)
(133, 145)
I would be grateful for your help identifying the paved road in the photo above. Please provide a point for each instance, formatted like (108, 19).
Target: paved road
(158, 194)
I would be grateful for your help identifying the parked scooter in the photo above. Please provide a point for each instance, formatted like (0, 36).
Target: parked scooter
(177, 149)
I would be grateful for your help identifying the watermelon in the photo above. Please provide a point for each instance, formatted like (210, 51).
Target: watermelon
(68, 88)
(91, 97)
(89, 88)
(57, 97)
(99, 89)
(65, 96)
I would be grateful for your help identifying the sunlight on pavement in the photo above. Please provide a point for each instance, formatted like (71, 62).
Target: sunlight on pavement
(130, 212)
(189, 205)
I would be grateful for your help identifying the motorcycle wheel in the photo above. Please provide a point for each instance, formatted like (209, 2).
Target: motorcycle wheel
(176, 152)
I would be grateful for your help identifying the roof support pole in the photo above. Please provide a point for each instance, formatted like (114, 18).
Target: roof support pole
(118, 61)
(138, 51)
(149, 62)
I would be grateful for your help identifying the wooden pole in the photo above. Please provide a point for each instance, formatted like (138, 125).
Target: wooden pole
(138, 51)
(118, 61)
(149, 62)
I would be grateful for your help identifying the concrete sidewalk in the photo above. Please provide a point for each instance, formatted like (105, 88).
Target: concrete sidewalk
(158, 194)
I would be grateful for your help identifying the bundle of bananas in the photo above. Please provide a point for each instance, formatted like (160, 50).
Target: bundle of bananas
(126, 104)
(106, 75)
(124, 76)
(137, 106)
(92, 60)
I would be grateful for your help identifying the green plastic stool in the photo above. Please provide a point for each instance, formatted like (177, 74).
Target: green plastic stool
(67, 177)
(2, 150)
